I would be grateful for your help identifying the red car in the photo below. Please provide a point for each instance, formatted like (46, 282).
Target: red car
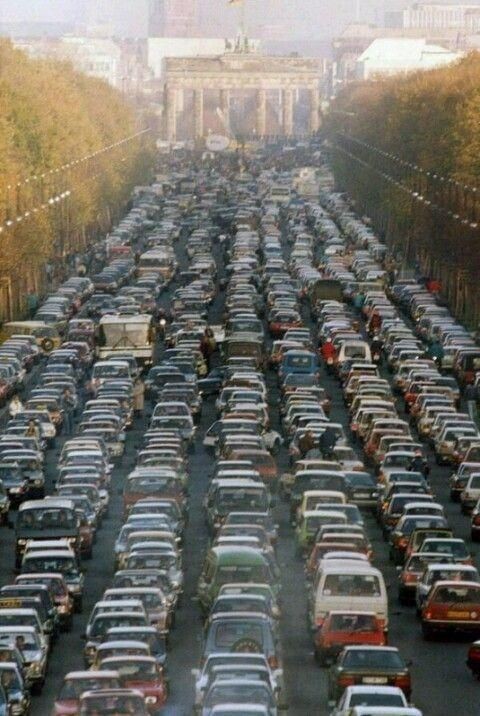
(452, 606)
(143, 674)
(281, 321)
(76, 682)
(473, 659)
(341, 629)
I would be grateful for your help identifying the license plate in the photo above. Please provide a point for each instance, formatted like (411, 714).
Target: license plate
(375, 680)
(458, 615)
(362, 494)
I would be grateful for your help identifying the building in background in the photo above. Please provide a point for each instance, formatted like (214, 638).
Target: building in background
(393, 56)
(173, 18)
(434, 16)
(97, 57)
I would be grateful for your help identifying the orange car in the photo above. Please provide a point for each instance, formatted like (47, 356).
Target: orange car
(341, 629)
(452, 606)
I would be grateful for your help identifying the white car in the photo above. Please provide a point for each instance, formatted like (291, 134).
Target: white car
(391, 696)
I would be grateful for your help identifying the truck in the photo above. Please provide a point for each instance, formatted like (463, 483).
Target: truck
(127, 334)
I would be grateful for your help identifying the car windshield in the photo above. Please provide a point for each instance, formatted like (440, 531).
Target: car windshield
(228, 635)
(233, 499)
(64, 565)
(457, 595)
(353, 622)
(74, 688)
(352, 585)
(457, 549)
(237, 692)
(46, 518)
(134, 670)
(373, 699)
(113, 705)
(372, 659)
(242, 573)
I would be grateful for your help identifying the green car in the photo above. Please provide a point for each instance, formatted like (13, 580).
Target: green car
(309, 525)
(230, 565)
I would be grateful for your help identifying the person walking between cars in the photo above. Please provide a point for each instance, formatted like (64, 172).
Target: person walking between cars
(32, 430)
(208, 346)
(436, 353)
(306, 443)
(69, 407)
(328, 353)
(15, 407)
(326, 442)
(419, 464)
(138, 397)
(471, 396)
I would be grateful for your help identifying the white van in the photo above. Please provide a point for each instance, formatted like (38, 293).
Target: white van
(349, 587)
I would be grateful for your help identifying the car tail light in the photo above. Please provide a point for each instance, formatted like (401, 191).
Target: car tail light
(403, 682)
(346, 681)
(476, 520)
(409, 578)
(402, 542)
(428, 615)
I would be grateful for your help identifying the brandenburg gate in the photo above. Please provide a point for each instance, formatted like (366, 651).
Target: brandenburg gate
(240, 73)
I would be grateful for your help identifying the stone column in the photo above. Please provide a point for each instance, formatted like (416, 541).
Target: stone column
(170, 112)
(225, 108)
(261, 123)
(198, 113)
(287, 106)
(314, 122)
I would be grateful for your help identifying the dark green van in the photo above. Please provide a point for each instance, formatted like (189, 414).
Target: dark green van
(230, 565)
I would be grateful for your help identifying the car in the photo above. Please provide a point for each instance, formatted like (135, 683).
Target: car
(75, 683)
(342, 628)
(372, 665)
(451, 607)
(368, 696)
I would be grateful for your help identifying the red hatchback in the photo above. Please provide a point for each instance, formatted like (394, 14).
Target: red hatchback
(143, 674)
(452, 606)
(76, 683)
(341, 629)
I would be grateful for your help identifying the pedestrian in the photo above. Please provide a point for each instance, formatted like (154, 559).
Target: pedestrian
(15, 407)
(68, 408)
(328, 353)
(327, 441)
(306, 443)
(32, 429)
(436, 353)
(138, 397)
(208, 345)
(419, 464)
(471, 397)
(375, 323)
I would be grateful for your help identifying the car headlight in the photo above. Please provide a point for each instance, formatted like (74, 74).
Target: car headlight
(151, 700)
(38, 482)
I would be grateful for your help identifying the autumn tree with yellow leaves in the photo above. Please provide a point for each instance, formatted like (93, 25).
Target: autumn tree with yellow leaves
(51, 116)
(431, 122)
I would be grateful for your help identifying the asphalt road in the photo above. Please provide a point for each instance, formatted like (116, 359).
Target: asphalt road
(442, 686)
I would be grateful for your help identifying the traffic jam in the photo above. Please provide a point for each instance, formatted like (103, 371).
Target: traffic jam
(232, 449)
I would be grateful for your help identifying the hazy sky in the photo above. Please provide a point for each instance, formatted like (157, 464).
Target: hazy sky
(303, 18)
